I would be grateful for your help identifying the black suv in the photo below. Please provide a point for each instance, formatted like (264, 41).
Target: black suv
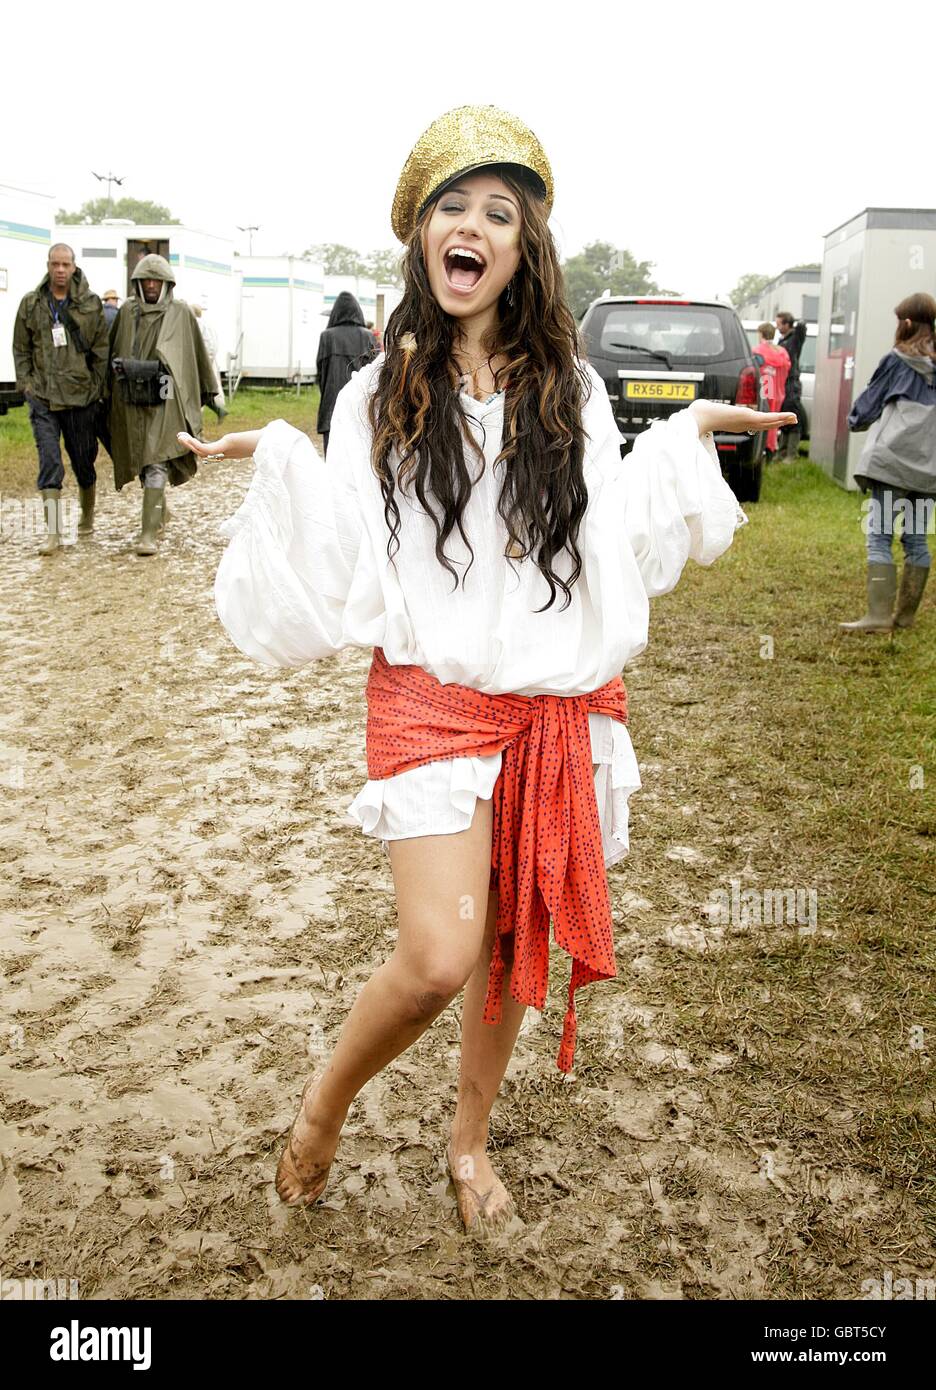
(657, 353)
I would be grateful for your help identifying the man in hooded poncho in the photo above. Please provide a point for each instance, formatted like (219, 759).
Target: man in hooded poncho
(154, 329)
(341, 347)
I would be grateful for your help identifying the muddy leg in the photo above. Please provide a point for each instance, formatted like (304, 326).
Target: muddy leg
(486, 1050)
(436, 878)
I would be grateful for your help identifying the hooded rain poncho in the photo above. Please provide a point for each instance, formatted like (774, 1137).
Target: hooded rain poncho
(167, 331)
(899, 404)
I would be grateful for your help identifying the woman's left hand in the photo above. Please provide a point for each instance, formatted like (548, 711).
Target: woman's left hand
(735, 419)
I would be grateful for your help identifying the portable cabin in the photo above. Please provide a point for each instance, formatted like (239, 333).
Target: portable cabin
(795, 290)
(203, 263)
(281, 317)
(26, 219)
(388, 297)
(870, 264)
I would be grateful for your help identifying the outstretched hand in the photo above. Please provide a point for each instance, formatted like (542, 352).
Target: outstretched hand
(735, 419)
(201, 448)
(229, 446)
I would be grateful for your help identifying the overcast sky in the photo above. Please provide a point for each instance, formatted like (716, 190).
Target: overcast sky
(712, 139)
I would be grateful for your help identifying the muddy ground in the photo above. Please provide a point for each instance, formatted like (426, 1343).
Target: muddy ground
(186, 916)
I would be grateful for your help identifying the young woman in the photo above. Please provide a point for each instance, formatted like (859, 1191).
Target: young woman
(476, 526)
(898, 465)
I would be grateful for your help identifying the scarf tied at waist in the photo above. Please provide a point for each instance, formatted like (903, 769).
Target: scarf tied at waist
(547, 859)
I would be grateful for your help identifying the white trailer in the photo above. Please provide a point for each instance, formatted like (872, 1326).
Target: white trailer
(388, 297)
(871, 263)
(203, 263)
(794, 291)
(281, 317)
(26, 218)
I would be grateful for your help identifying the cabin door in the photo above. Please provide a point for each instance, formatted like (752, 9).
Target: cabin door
(136, 250)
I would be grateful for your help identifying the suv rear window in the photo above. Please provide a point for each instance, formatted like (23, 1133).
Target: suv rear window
(687, 332)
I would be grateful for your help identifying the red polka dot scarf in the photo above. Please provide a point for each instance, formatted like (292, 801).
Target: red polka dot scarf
(546, 853)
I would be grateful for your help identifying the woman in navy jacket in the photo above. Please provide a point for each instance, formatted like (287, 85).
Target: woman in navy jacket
(898, 465)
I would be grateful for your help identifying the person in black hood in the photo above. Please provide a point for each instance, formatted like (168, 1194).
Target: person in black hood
(344, 345)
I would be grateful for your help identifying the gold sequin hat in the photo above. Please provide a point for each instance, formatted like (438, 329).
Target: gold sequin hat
(459, 142)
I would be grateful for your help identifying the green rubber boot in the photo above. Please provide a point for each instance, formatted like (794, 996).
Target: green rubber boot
(882, 589)
(86, 520)
(52, 506)
(152, 515)
(912, 583)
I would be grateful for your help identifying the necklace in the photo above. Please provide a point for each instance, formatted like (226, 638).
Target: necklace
(471, 376)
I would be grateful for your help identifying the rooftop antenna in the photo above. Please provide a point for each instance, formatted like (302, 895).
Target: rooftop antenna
(250, 231)
(109, 179)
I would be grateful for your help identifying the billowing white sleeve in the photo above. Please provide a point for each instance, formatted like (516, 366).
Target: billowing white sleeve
(668, 493)
(297, 561)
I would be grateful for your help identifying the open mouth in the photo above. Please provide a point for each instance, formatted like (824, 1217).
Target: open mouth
(463, 268)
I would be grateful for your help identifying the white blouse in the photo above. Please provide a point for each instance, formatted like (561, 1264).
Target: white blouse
(306, 574)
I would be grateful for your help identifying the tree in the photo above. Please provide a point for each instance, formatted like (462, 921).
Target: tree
(337, 259)
(601, 266)
(385, 267)
(748, 287)
(381, 265)
(93, 212)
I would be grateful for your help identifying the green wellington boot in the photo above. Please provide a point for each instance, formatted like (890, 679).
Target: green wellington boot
(86, 520)
(152, 514)
(882, 588)
(165, 511)
(52, 506)
(912, 583)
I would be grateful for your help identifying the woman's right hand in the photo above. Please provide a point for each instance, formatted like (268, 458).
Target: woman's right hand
(229, 446)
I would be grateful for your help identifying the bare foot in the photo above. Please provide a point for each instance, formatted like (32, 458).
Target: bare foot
(483, 1200)
(302, 1172)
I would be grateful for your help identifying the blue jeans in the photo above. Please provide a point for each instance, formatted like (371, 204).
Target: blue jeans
(76, 428)
(887, 503)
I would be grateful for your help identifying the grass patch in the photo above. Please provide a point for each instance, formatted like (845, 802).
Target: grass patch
(808, 759)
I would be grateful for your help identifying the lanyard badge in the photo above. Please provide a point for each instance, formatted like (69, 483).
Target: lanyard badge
(59, 337)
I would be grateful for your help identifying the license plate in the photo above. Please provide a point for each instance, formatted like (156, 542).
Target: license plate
(660, 390)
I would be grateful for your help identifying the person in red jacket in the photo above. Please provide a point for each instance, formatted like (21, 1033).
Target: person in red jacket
(774, 363)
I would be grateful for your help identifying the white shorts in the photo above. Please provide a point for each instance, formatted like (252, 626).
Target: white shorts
(439, 798)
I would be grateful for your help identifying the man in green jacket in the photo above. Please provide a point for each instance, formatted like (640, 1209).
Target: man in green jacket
(60, 354)
(156, 339)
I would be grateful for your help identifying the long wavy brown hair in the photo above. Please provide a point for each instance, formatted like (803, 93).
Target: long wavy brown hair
(419, 426)
(920, 338)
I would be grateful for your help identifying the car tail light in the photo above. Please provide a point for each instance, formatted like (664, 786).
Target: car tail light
(664, 301)
(731, 448)
(747, 387)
